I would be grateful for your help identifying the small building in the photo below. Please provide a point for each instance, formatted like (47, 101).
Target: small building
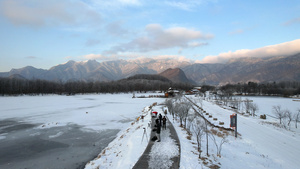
(171, 92)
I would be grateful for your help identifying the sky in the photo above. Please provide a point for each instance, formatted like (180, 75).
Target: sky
(51, 32)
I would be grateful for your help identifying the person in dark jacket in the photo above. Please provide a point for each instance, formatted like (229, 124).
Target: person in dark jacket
(164, 119)
(160, 118)
(157, 130)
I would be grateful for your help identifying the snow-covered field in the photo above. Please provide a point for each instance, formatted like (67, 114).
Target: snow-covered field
(63, 124)
(266, 103)
(260, 144)
(97, 112)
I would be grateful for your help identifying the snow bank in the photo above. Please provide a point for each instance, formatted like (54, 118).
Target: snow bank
(125, 150)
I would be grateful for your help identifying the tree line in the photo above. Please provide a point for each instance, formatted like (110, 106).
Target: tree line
(284, 88)
(17, 86)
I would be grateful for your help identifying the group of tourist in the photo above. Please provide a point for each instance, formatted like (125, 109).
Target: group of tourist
(160, 122)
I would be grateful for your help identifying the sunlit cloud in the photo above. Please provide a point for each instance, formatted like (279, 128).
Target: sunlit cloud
(101, 57)
(179, 58)
(282, 49)
(95, 56)
(158, 38)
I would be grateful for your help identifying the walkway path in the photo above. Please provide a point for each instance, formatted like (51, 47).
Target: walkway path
(143, 162)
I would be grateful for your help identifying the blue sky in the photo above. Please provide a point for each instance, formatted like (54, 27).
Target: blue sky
(50, 32)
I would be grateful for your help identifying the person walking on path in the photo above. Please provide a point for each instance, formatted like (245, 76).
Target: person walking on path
(158, 130)
(160, 118)
(164, 119)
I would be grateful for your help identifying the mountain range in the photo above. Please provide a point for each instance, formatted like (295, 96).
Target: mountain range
(280, 68)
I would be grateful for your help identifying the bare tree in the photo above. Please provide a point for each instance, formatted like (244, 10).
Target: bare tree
(182, 109)
(253, 108)
(178, 112)
(200, 101)
(218, 146)
(238, 103)
(190, 120)
(199, 130)
(289, 116)
(169, 103)
(206, 133)
(186, 108)
(247, 104)
(278, 113)
(178, 97)
(297, 117)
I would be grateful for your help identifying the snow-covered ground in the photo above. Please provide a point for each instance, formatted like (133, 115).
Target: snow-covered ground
(126, 149)
(94, 111)
(62, 131)
(266, 103)
(259, 145)
(130, 144)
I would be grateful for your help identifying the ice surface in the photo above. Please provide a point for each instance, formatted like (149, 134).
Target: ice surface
(62, 131)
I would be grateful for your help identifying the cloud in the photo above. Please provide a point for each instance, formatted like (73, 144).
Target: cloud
(95, 56)
(48, 13)
(181, 5)
(282, 49)
(30, 57)
(173, 57)
(157, 38)
(116, 29)
(109, 57)
(292, 21)
(235, 32)
(187, 5)
(115, 4)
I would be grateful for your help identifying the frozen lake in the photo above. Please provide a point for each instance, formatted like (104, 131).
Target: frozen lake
(62, 131)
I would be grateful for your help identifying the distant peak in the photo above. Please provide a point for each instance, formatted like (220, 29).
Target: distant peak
(175, 74)
(71, 61)
(92, 61)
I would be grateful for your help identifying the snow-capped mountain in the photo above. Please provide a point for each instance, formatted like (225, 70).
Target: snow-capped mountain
(238, 70)
(92, 70)
(246, 69)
